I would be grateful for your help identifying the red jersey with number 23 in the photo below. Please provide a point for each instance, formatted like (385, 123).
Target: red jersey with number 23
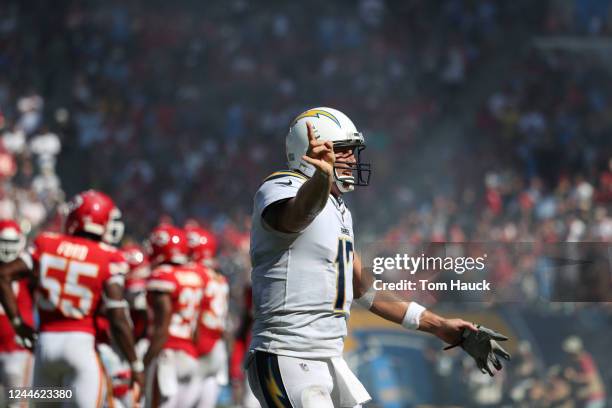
(70, 274)
(214, 312)
(185, 285)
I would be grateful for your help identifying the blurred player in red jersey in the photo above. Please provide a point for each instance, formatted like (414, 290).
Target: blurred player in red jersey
(15, 360)
(211, 347)
(135, 288)
(117, 368)
(74, 274)
(174, 293)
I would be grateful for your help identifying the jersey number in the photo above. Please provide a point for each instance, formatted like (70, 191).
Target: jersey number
(344, 261)
(214, 317)
(182, 323)
(57, 288)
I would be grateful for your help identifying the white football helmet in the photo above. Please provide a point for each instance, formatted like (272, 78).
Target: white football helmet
(333, 125)
(12, 240)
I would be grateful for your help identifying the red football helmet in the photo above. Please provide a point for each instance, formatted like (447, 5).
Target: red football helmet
(168, 243)
(138, 262)
(202, 244)
(95, 213)
(134, 256)
(12, 240)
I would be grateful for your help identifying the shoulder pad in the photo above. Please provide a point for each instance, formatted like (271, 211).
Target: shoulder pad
(163, 269)
(285, 173)
(47, 235)
(106, 247)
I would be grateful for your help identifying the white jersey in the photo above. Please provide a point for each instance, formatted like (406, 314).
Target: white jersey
(302, 282)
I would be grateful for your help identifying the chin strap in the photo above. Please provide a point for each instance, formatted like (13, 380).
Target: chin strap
(341, 182)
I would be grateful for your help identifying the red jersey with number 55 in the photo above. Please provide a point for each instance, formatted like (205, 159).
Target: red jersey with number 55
(70, 276)
(185, 285)
(214, 312)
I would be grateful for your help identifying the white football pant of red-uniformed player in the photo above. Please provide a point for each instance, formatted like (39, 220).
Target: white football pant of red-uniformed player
(69, 360)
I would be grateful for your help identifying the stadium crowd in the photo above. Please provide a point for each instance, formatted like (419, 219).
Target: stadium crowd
(181, 112)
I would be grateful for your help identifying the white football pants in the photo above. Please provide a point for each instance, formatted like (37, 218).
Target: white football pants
(282, 381)
(172, 380)
(16, 371)
(69, 360)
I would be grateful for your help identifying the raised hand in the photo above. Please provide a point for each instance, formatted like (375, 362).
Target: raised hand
(320, 153)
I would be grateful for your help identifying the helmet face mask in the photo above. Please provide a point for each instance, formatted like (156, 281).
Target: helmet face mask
(360, 172)
(114, 229)
(9, 249)
(333, 125)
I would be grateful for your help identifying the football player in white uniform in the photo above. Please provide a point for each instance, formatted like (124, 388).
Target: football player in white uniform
(306, 272)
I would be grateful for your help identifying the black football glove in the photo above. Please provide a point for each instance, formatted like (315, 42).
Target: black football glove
(482, 346)
(25, 335)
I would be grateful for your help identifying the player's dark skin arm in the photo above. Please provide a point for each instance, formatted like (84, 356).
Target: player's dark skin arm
(119, 323)
(161, 303)
(9, 272)
(121, 329)
(295, 214)
(394, 310)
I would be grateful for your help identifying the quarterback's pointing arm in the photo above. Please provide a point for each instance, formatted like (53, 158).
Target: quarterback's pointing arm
(295, 214)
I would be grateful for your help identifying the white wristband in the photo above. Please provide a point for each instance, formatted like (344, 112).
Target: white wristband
(16, 322)
(114, 303)
(413, 316)
(367, 299)
(137, 366)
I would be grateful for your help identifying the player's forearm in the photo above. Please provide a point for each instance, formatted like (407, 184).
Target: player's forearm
(8, 273)
(396, 311)
(158, 339)
(308, 202)
(162, 310)
(393, 311)
(430, 322)
(390, 307)
(157, 342)
(7, 299)
(122, 334)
